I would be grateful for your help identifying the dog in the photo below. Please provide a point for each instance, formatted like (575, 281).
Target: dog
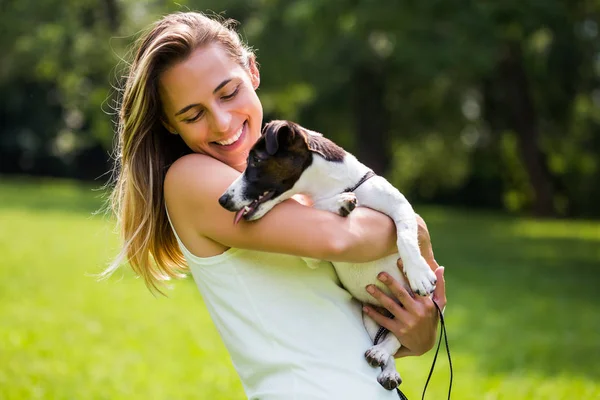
(289, 159)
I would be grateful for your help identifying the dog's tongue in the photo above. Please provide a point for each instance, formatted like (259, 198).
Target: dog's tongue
(239, 215)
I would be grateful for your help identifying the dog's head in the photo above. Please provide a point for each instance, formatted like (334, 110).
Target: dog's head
(274, 165)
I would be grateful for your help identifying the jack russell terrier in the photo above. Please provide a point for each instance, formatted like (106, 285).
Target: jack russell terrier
(289, 159)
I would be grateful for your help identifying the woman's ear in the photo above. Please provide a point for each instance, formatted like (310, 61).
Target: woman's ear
(253, 70)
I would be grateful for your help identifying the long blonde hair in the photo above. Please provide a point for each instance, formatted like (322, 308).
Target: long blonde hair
(146, 149)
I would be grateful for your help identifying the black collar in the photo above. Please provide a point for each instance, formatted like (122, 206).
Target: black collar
(365, 177)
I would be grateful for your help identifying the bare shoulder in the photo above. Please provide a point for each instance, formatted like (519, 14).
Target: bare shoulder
(194, 168)
(192, 187)
(195, 176)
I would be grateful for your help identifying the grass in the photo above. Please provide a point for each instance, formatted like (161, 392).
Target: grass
(522, 317)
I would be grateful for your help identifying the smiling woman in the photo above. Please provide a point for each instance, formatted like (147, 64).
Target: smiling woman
(210, 101)
(188, 119)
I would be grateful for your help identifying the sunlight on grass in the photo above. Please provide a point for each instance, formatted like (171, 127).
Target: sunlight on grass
(522, 315)
(558, 229)
(65, 335)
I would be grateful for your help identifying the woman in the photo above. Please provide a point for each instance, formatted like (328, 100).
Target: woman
(189, 116)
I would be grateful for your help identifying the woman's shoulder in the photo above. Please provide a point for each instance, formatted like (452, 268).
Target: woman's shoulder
(192, 186)
(192, 164)
(195, 182)
(198, 172)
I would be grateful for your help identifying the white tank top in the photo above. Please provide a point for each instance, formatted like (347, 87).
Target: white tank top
(293, 333)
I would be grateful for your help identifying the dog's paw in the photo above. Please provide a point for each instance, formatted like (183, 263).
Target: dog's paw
(376, 356)
(346, 203)
(389, 379)
(421, 278)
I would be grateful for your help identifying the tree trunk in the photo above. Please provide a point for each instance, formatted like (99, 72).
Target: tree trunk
(372, 119)
(112, 14)
(516, 102)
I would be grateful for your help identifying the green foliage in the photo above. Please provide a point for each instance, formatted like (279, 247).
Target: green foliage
(384, 79)
(521, 316)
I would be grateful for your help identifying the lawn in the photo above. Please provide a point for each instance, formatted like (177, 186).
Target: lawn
(522, 316)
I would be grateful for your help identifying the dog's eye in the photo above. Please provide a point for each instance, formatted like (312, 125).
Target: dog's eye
(255, 159)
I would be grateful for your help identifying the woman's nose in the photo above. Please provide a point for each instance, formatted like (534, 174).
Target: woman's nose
(221, 120)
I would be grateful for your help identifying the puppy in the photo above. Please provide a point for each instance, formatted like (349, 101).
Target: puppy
(289, 159)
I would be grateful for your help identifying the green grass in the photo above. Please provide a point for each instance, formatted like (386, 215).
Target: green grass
(522, 316)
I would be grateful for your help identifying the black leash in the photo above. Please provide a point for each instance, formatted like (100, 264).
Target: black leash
(401, 395)
(445, 335)
(382, 331)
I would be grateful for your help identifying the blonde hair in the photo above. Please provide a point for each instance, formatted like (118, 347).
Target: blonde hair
(145, 148)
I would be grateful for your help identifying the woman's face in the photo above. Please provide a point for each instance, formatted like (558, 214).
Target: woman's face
(210, 101)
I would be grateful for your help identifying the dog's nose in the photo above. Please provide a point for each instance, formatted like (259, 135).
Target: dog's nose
(225, 201)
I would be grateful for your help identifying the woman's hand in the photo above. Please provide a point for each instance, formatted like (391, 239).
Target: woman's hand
(415, 318)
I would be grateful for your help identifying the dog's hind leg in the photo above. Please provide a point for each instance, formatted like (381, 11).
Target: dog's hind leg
(379, 354)
(388, 344)
(382, 354)
(389, 377)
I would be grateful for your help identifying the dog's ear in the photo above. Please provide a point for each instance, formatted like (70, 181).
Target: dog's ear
(290, 135)
(280, 132)
(271, 139)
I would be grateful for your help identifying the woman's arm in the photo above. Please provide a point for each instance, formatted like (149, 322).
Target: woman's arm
(195, 182)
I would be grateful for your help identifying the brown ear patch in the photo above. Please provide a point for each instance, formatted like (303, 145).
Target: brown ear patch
(278, 132)
(281, 133)
(325, 147)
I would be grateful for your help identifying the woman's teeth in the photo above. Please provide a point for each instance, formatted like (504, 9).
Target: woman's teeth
(233, 139)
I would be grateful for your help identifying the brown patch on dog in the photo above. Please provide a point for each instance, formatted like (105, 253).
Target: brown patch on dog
(314, 142)
(276, 160)
(279, 131)
(283, 152)
(325, 147)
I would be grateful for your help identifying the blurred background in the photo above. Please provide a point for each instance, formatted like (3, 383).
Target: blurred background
(485, 114)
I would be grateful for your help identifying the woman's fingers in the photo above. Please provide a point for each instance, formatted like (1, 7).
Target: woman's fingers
(382, 320)
(403, 295)
(386, 302)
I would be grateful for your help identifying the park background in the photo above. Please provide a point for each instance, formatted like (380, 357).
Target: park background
(486, 114)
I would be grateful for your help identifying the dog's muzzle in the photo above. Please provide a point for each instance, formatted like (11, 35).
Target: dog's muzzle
(226, 201)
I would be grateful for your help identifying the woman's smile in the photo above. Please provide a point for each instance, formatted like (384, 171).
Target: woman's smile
(235, 141)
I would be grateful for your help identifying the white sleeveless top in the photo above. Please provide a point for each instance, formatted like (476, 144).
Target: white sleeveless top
(293, 333)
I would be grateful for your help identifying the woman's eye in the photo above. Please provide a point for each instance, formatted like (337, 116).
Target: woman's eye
(195, 117)
(231, 95)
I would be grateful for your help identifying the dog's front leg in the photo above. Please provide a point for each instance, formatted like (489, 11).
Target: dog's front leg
(342, 204)
(380, 195)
